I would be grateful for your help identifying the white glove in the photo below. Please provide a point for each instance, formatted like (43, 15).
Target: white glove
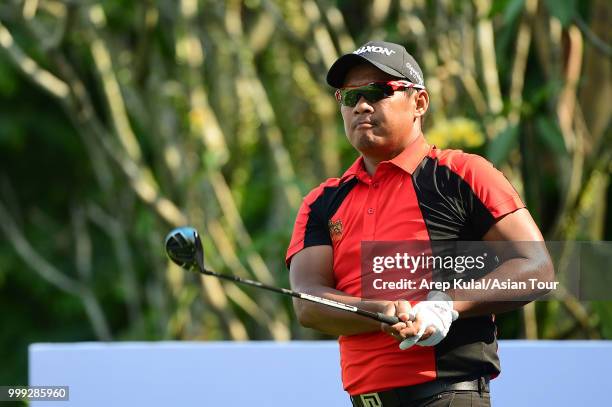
(437, 312)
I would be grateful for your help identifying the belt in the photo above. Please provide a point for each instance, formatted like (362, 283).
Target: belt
(398, 396)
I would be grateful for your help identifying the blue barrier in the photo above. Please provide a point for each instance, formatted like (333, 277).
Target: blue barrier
(203, 374)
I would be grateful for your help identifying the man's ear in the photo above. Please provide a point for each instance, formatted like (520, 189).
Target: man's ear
(422, 103)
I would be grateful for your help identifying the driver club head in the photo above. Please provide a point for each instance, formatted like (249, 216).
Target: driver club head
(184, 247)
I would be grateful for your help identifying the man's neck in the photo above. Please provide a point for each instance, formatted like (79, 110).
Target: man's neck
(371, 163)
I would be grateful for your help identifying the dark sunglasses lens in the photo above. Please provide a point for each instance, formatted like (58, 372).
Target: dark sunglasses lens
(372, 93)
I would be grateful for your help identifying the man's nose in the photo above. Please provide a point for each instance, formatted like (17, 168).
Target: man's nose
(363, 106)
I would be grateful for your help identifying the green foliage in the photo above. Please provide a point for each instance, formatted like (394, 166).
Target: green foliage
(502, 144)
(512, 10)
(604, 312)
(459, 133)
(551, 135)
(564, 10)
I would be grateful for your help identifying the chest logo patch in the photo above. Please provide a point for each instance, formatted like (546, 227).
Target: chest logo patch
(335, 229)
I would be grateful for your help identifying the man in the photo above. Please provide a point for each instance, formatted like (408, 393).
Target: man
(401, 188)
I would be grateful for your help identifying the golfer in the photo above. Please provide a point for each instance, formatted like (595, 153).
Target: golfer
(402, 188)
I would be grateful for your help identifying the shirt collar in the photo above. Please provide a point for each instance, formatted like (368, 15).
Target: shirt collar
(407, 160)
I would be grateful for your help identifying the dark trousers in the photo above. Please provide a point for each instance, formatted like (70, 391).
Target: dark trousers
(455, 399)
(458, 398)
(470, 393)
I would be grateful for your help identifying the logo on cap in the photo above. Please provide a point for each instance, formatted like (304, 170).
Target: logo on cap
(378, 50)
(414, 73)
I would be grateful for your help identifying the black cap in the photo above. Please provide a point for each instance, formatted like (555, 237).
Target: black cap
(386, 56)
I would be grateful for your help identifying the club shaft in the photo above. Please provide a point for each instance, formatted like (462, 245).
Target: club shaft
(378, 316)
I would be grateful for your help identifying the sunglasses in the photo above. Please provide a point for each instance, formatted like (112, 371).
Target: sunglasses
(372, 92)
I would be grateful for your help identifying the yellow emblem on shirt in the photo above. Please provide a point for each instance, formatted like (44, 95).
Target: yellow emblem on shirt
(335, 229)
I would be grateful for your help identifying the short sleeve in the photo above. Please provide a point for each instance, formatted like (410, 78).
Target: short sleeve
(310, 227)
(496, 196)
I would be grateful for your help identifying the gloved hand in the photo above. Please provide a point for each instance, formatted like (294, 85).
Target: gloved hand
(436, 312)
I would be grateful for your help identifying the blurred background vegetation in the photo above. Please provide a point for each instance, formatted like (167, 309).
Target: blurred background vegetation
(122, 119)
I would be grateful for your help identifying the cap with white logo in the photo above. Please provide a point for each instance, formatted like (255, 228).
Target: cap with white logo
(386, 56)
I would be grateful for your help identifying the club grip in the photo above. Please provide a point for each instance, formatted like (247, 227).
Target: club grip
(387, 319)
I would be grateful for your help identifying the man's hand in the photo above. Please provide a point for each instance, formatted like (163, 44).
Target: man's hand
(409, 327)
(435, 314)
(400, 309)
(426, 324)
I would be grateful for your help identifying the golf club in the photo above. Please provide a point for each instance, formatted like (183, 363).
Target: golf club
(184, 247)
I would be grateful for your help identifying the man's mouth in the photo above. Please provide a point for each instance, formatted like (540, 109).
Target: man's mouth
(364, 124)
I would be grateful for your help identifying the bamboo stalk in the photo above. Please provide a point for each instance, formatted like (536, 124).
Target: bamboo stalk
(523, 43)
(322, 37)
(39, 76)
(112, 91)
(487, 52)
(338, 28)
(116, 231)
(565, 115)
(530, 321)
(231, 261)
(490, 74)
(54, 276)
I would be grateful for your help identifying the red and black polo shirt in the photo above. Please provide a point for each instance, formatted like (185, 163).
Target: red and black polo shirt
(422, 194)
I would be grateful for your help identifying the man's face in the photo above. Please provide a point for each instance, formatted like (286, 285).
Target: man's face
(382, 129)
